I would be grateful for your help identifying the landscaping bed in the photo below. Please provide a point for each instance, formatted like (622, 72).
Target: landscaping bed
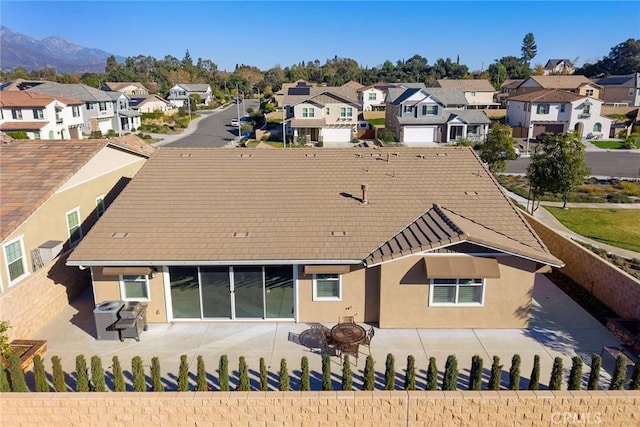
(27, 350)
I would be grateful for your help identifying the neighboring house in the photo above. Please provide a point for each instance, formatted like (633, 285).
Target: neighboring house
(507, 89)
(621, 91)
(579, 85)
(20, 84)
(149, 103)
(180, 93)
(128, 88)
(52, 193)
(321, 114)
(373, 97)
(40, 116)
(98, 110)
(557, 111)
(412, 238)
(479, 93)
(279, 95)
(420, 115)
(559, 66)
(125, 118)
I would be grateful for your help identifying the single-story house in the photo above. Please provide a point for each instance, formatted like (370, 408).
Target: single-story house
(407, 238)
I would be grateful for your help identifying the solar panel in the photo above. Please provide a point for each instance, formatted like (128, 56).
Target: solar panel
(299, 91)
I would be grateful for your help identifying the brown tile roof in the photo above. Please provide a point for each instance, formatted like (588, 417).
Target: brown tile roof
(479, 85)
(353, 85)
(561, 81)
(219, 205)
(32, 171)
(25, 99)
(512, 83)
(547, 95)
(20, 125)
(116, 86)
(346, 93)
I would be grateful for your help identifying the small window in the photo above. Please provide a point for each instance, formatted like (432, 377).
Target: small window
(597, 127)
(36, 134)
(15, 260)
(327, 287)
(73, 226)
(75, 111)
(90, 105)
(372, 96)
(586, 109)
(38, 114)
(16, 114)
(589, 92)
(346, 112)
(100, 206)
(408, 108)
(456, 292)
(562, 108)
(308, 112)
(134, 288)
(327, 111)
(543, 109)
(103, 106)
(432, 110)
(472, 93)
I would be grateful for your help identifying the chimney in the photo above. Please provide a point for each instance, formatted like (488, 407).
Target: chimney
(364, 189)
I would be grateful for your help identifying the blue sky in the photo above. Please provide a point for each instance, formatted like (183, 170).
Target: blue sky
(267, 33)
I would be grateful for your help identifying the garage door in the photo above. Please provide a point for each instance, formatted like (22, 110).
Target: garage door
(419, 134)
(336, 135)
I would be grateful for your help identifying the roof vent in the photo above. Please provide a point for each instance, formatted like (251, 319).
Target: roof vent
(241, 234)
(338, 234)
(76, 147)
(471, 193)
(245, 156)
(44, 146)
(442, 154)
(185, 155)
(364, 188)
(310, 154)
(120, 235)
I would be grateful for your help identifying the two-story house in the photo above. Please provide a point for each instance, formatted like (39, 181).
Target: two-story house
(149, 103)
(580, 85)
(40, 116)
(373, 97)
(478, 93)
(278, 97)
(98, 109)
(558, 66)
(622, 91)
(180, 93)
(420, 116)
(125, 119)
(557, 111)
(321, 114)
(128, 88)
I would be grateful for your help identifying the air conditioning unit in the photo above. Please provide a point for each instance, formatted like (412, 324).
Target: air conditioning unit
(49, 250)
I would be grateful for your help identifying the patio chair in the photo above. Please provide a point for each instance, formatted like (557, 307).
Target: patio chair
(368, 338)
(351, 350)
(346, 319)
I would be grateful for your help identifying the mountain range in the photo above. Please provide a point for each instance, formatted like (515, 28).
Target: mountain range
(20, 50)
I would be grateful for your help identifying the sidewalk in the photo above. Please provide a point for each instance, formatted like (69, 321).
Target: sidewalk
(547, 218)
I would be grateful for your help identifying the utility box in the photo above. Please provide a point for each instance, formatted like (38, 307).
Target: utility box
(49, 250)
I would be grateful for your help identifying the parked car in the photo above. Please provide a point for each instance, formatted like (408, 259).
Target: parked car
(235, 122)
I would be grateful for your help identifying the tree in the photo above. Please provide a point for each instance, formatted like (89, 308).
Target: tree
(82, 377)
(137, 371)
(624, 58)
(59, 383)
(529, 49)
(183, 374)
(432, 374)
(635, 377)
(496, 374)
(264, 382)
(534, 380)
(347, 375)
(498, 148)
(156, 375)
(118, 377)
(575, 375)
(326, 373)
(202, 375)
(223, 373)
(369, 374)
(555, 382)
(497, 74)
(594, 375)
(558, 166)
(4, 381)
(516, 69)
(619, 373)
(283, 375)
(39, 374)
(450, 377)
(243, 374)
(97, 375)
(514, 373)
(16, 375)
(305, 383)
(475, 376)
(410, 375)
(390, 373)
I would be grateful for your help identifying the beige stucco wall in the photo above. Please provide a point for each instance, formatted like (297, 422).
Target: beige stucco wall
(50, 222)
(107, 288)
(583, 91)
(480, 98)
(332, 408)
(404, 298)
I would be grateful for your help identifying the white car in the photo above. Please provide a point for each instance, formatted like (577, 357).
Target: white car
(235, 122)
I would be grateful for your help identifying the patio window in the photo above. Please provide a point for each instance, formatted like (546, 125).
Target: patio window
(542, 109)
(100, 206)
(308, 112)
(15, 260)
(74, 227)
(134, 288)
(461, 292)
(327, 287)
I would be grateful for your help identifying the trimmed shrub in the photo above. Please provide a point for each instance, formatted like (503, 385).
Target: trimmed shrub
(347, 375)
(243, 383)
(16, 375)
(619, 373)
(82, 375)
(264, 382)
(514, 373)
(369, 374)
(283, 375)
(555, 382)
(594, 375)
(305, 381)
(534, 381)
(118, 377)
(575, 375)
(223, 373)
(496, 374)
(39, 375)
(59, 383)
(635, 378)
(4, 381)
(389, 373)
(156, 376)
(202, 376)
(432, 374)
(475, 376)
(326, 373)
(97, 375)
(137, 371)
(450, 378)
(18, 135)
(183, 374)
(410, 375)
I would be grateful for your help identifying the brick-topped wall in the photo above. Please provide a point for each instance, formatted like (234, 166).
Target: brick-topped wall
(391, 408)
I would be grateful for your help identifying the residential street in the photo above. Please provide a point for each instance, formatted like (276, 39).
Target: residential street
(603, 163)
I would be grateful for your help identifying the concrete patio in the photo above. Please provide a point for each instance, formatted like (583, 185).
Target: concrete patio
(559, 327)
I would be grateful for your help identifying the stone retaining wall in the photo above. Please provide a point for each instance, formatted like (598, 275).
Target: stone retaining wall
(362, 409)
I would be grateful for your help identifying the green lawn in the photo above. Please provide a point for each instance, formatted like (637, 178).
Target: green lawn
(615, 227)
(610, 145)
(376, 122)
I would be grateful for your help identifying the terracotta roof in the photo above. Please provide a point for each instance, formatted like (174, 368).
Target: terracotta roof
(22, 125)
(547, 95)
(32, 99)
(32, 171)
(206, 205)
(561, 81)
(479, 85)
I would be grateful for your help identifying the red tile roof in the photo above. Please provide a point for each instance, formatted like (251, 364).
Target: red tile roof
(10, 99)
(20, 125)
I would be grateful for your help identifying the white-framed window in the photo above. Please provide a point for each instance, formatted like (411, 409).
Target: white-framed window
(459, 292)
(16, 114)
(472, 93)
(15, 260)
(102, 106)
(308, 112)
(588, 92)
(429, 110)
(74, 227)
(542, 109)
(36, 134)
(134, 288)
(38, 114)
(408, 108)
(586, 109)
(372, 96)
(75, 111)
(597, 127)
(90, 105)
(100, 206)
(327, 287)
(346, 112)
